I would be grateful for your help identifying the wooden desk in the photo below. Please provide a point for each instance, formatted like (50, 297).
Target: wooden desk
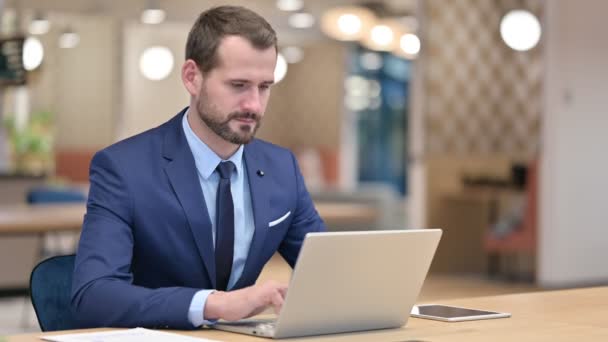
(44, 218)
(345, 213)
(19, 219)
(23, 223)
(567, 315)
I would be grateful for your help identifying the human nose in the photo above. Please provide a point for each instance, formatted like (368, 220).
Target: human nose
(253, 102)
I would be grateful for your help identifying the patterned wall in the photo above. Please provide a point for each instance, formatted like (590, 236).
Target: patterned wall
(305, 108)
(481, 97)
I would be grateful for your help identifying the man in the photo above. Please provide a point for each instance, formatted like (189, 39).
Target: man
(182, 218)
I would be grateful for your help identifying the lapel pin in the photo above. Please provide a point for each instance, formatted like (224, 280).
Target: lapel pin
(260, 173)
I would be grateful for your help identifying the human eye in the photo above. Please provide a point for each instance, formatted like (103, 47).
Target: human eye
(265, 86)
(237, 85)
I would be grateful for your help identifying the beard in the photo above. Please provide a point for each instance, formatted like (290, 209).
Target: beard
(211, 116)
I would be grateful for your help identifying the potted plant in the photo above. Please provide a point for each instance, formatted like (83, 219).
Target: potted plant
(31, 146)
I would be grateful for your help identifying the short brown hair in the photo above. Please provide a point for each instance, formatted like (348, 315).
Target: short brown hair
(218, 22)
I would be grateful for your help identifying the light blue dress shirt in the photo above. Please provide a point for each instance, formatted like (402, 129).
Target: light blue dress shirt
(206, 161)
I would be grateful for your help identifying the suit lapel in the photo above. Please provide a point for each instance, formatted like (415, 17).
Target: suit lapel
(183, 177)
(258, 188)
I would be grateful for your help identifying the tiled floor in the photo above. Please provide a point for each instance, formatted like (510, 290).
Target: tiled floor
(17, 314)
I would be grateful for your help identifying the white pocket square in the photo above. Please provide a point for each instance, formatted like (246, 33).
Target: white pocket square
(279, 220)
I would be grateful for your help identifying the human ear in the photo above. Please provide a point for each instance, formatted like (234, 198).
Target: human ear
(191, 77)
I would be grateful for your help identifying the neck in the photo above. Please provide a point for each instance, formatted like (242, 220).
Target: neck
(224, 149)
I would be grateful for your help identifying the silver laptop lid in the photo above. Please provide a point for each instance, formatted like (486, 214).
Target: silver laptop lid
(353, 281)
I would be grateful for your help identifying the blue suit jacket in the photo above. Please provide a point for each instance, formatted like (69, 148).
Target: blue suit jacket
(146, 245)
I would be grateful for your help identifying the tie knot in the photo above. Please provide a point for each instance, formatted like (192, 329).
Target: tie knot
(225, 169)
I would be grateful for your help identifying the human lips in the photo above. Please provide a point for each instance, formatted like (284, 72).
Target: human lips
(245, 120)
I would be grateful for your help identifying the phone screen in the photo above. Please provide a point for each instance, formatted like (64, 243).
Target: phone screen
(448, 311)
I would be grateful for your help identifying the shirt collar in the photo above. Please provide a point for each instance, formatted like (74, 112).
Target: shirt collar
(205, 159)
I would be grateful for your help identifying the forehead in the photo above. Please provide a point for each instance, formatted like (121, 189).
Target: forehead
(237, 57)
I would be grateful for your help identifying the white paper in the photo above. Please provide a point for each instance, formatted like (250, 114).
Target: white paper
(130, 335)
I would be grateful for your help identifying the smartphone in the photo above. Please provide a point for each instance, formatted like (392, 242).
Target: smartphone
(453, 313)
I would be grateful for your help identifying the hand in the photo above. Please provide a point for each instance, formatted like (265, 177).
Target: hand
(246, 302)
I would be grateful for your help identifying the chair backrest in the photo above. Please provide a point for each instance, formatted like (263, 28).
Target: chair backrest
(50, 288)
(50, 194)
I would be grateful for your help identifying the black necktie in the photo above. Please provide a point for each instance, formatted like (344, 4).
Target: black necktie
(224, 240)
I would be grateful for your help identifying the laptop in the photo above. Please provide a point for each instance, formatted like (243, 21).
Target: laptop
(350, 281)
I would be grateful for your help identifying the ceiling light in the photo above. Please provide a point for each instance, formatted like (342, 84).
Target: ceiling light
(280, 69)
(520, 30)
(301, 20)
(152, 14)
(290, 5)
(156, 63)
(347, 23)
(68, 39)
(410, 44)
(33, 53)
(293, 54)
(383, 36)
(39, 24)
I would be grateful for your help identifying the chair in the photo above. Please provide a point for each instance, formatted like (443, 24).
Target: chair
(50, 287)
(48, 194)
(55, 244)
(523, 239)
(73, 163)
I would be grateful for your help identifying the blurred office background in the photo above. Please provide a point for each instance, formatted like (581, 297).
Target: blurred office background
(486, 118)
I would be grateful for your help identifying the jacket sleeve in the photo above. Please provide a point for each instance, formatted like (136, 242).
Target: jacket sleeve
(103, 293)
(305, 220)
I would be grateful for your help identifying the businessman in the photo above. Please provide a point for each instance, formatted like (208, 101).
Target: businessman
(182, 218)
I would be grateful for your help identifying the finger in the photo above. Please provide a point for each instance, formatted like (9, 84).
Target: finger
(256, 311)
(277, 301)
(283, 291)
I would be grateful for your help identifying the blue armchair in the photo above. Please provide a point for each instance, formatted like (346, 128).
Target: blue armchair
(50, 287)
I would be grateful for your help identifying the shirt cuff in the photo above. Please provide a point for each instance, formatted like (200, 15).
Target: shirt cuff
(197, 308)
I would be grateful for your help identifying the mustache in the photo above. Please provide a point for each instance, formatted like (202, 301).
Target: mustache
(246, 115)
